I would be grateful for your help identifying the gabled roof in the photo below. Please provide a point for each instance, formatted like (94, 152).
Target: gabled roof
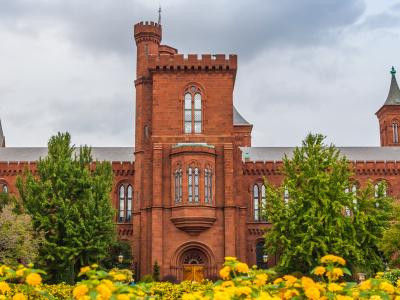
(393, 97)
(238, 119)
(31, 154)
(351, 153)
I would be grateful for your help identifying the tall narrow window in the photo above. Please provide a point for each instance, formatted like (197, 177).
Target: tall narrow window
(188, 113)
(193, 110)
(395, 127)
(121, 206)
(207, 185)
(176, 186)
(190, 185)
(286, 196)
(196, 185)
(197, 113)
(129, 194)
(256, 200)
(180, 185)
(263, 202)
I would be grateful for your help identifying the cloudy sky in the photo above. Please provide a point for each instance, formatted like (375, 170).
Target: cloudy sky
(304, 65)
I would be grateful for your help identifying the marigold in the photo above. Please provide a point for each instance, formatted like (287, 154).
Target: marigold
(119, 277)
(19, 296)
(312, 293)
(20, 272)
(33, 279)
(290, 280)
(123, 297)
(243, 290)
(224, 272)
(242, 267)
(365, 285)
(80, 290)
(319, 270)
(4, 287)
(375, 297)
(85, 269)
(343, 297)
(307, 282)
(230, 258)
(104, 291)
(278, 280)
(289, 294)
(333, 259)
(334, 287)
(261, 279)
(387, 287)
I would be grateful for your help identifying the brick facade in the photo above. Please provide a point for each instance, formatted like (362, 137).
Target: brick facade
(193, 187)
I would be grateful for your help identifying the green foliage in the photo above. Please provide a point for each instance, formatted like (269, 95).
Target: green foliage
(393, 276)
(18, 241)
(115, 249)
(147, 278)
(69, 200)
(156, 271)
(390, 243)
(313, 223)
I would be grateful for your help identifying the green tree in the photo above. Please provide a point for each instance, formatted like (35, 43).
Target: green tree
(69, 200)
(314, 222)
(390, 243)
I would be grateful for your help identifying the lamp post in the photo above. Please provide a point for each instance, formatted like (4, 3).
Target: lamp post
(120, 260)
(265, 258)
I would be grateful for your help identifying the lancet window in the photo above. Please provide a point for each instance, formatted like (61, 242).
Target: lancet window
(395, 129)
(125, 203)
(178, 185)
(193, 110)
(259, 202)
(208, 177)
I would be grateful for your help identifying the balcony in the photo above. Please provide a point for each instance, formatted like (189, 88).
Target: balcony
(193, 219)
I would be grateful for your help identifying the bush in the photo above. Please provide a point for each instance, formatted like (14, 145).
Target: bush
(393, 275)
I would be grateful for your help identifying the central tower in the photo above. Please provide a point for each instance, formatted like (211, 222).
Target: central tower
(187, 200)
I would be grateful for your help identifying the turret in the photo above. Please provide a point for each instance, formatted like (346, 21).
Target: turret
(389, 115)
(147, 37)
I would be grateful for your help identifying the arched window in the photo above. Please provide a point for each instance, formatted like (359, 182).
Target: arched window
(129, 203)
(121, 206)
(256, 202)
(178, 185)
(196, 185)
(193, 110)
(3, 187)
(395, 128)
(208, 185)
(125, 203)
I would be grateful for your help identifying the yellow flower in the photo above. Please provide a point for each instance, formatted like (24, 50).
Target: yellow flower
(119, 277)
(379, 274)
(33, 279)
(398, 283)
(20, 272)
(85, 269)
(109, 284)
(242, 267)
(80, 290)
(228, 283)
(333, 259)
(95, 266)
(375, 297)
(104, 291)
(261, 279)
(19, 296)
(334, 287)
(123, 297)
(243, 290)
(319, 271)
(224, 272)
(289, 294)
(342, 297)
(337, 272)
(230, 258)
(307, 282)
(2, 297)
(365, 285)
(290, 280)
(4, 287)
(312, 293)
(387, 287)
(278, 280)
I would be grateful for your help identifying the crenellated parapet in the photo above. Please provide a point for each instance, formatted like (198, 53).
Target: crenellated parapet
(217, 62)
(123, 168)
(147, 31)
(16, 168)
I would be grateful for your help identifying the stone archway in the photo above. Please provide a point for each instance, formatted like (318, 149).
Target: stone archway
(193, 261)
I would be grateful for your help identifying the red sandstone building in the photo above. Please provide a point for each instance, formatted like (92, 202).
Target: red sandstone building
(188, 194)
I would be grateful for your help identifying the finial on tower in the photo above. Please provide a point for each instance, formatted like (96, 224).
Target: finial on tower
(393, 71)
(159, 14)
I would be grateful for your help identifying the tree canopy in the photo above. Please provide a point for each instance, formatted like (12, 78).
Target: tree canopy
(69, 201)
(323, 214)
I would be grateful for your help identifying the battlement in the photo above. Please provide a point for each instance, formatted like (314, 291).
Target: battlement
(192, 62)
(147, 31)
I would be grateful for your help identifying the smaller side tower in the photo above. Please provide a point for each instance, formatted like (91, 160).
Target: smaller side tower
(389, 115)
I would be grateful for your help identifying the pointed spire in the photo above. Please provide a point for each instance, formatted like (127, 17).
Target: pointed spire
(159, 15)
(2, 137)
(393, 97)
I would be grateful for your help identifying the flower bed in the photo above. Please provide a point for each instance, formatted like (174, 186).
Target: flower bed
(238, 282)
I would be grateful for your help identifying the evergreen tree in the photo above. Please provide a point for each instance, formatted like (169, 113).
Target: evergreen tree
(314, 221)
(69, 200)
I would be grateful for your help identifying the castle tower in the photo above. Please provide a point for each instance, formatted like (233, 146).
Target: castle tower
(187, 157)
(389, 115)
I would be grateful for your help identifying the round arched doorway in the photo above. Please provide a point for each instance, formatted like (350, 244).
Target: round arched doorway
(193, 261)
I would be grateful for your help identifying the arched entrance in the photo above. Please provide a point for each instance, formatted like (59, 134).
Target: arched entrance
(193, 261)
